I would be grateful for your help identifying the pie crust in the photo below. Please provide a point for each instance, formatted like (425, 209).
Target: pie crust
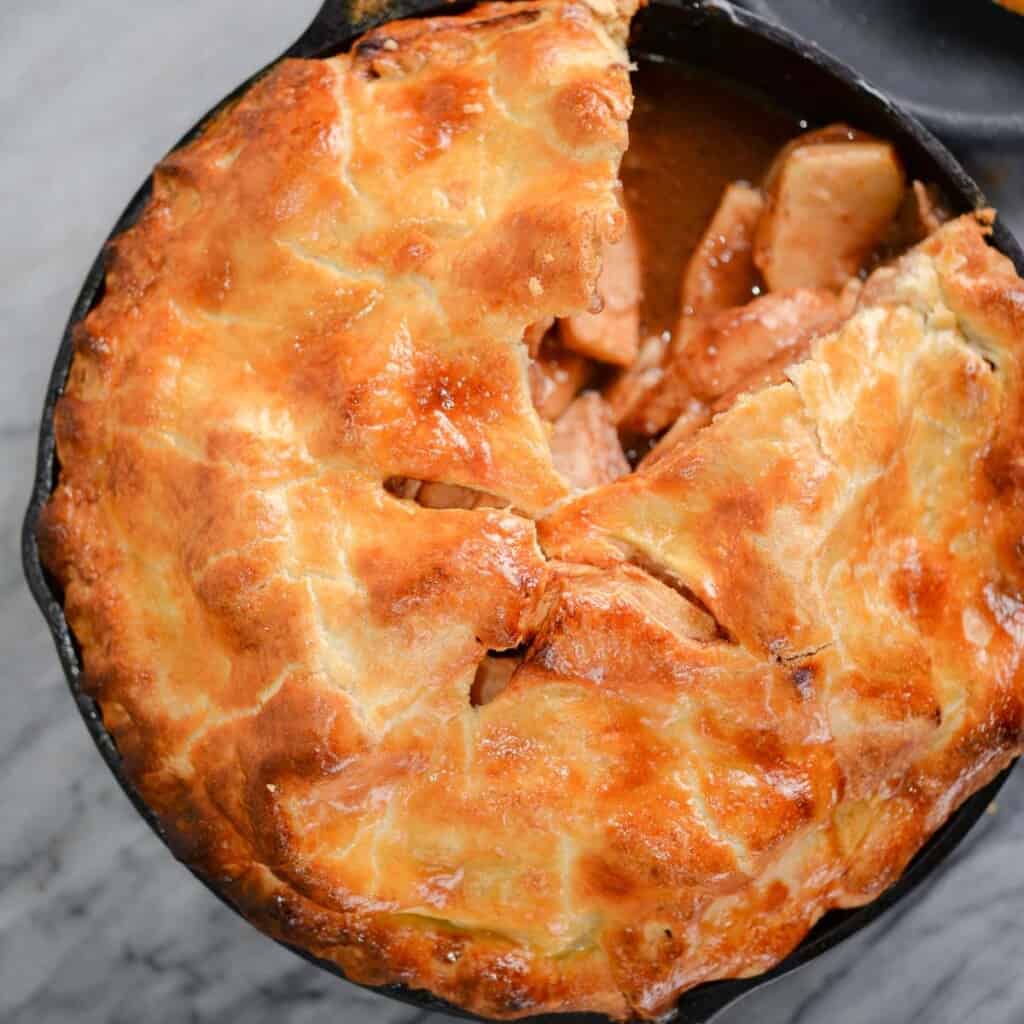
(759, 672)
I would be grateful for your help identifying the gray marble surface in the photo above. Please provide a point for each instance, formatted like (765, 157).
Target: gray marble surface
(97, 922)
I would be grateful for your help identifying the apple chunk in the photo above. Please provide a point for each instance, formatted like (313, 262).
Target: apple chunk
(736, 342)
(556, 377)
(829, 205)
(721, 271)
(585, 444)
(719, 274)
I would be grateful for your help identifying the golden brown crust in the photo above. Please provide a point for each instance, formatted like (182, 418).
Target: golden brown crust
(283, 649)
(701, 751)
(871, 506)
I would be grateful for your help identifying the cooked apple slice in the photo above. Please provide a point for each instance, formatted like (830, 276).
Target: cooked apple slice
(667, 393)
(535, 334)
(585, 444)
(766, 375)
(697, 412)
(492, 677)
(556, 377)
(631, 388)
(735, 343)
(437, 495)
(721, 271)
(613, 335)
(434, 494)
(830, 201)
(719, 274)
(928, 208)
(723, 349)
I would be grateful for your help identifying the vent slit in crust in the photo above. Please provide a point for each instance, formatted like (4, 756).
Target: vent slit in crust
(494, 673)
(437, 494)
(665, 575)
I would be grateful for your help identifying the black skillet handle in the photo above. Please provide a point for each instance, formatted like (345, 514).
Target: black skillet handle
(338, 22)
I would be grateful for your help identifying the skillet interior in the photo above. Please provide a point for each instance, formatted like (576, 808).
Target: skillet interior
(714, 38)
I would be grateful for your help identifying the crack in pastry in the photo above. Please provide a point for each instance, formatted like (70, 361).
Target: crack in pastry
(741, 685)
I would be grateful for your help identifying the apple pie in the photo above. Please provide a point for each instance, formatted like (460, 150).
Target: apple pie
(470, 635)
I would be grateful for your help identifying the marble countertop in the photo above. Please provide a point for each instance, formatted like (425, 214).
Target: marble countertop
(97, 923)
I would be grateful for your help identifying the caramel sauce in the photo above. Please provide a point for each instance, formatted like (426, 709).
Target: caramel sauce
(690, 135)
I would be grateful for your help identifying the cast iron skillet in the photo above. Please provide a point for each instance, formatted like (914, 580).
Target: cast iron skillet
(958, 68)
(724, 41)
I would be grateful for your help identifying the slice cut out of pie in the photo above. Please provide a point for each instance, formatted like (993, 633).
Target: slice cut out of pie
(528, 748)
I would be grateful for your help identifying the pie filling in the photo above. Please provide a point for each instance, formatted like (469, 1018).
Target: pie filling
(542, 572)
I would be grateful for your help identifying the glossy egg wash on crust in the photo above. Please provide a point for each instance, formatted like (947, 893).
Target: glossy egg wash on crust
(499, 589)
